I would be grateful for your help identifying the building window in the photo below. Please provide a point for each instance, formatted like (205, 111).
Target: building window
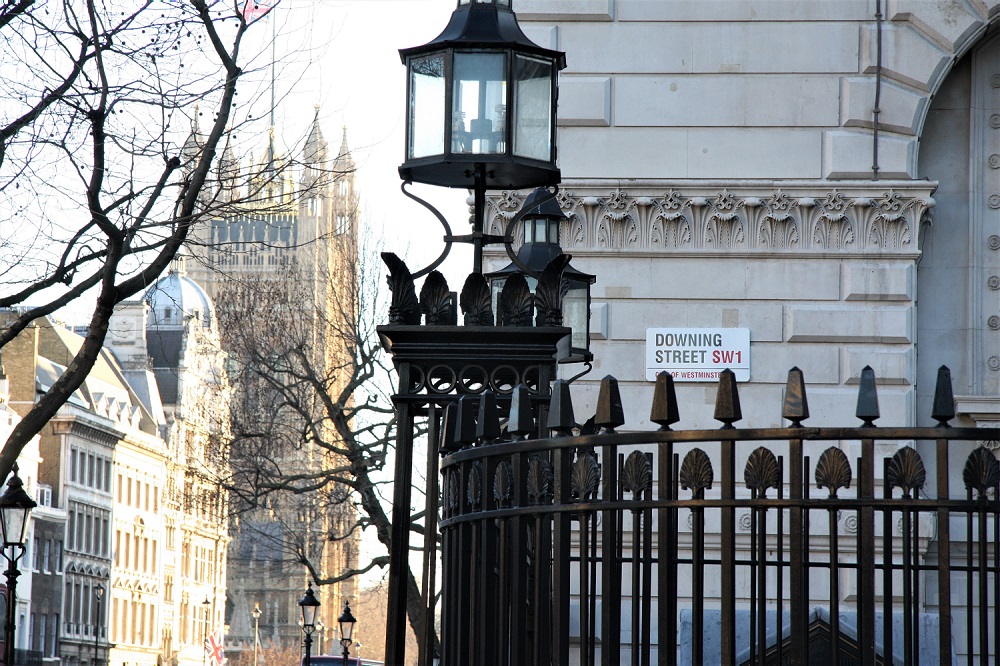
(57, 548)
(46, 546)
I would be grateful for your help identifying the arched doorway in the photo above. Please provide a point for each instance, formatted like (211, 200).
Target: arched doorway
(958, 273)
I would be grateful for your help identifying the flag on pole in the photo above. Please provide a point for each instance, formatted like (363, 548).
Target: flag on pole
(215, 651)
(253, 10)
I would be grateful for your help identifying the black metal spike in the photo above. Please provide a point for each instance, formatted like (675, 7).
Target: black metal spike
(610, 413)
(465, 423)
(944, 398)
(796, 407)
(488, 423)
(561, 421)
(727, 401)
(522, 420)
(665, 411)
(867, 398)
(448, 444)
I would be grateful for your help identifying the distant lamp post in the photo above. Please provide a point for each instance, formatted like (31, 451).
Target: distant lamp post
(15, 509)
(347, 622)
(322, 634)
(99, 593)
(310, 607)
(540, 219)
(207, 607)
(256, 630)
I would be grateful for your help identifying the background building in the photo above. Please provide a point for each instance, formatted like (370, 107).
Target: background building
(295, 237)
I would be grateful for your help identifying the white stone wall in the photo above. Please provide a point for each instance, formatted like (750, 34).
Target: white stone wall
(717, 170)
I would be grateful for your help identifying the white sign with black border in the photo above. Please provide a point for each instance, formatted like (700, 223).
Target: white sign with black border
(697, 354)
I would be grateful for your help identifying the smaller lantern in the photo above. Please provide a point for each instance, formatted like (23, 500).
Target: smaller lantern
(540, 236)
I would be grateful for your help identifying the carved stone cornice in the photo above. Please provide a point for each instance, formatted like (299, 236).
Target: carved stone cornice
(735, 216)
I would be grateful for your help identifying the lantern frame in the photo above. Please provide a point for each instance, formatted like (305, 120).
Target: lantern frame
(484, 30)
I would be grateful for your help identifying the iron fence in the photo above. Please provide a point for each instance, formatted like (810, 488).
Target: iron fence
(792, 545)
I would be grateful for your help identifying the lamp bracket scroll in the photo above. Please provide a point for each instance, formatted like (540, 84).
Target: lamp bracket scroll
(487, 239)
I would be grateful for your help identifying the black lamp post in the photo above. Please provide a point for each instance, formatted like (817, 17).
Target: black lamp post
(206, 606)
(540, 220)
(99, 593)
(310, 606)
(15, 509)
(481, 109)
(347, 622)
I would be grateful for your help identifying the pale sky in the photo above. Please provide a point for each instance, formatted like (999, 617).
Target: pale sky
(343, 55)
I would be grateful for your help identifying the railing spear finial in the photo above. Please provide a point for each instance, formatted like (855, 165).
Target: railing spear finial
(944, 398)
(610, 413)
(561, 420)
(448, 444)
(727, 401)
(488, 423)
(465, 423)
(867, 409)
(665, 411)
(522, 421)
(796, 407)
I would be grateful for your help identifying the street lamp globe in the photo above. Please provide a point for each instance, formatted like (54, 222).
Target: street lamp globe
(481, 97)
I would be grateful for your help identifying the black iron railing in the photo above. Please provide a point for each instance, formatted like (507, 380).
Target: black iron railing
(864, 545)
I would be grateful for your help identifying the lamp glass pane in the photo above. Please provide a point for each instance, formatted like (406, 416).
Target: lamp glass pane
(576, 313)
(15, 522)
(533, 108)
(309, 615)
(426, 107)
(479, 103)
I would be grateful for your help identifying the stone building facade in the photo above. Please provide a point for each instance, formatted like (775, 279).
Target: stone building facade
(821, 173)
(722, 168)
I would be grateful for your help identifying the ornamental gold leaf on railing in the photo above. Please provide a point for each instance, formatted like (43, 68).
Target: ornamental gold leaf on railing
(833, 470)
(696, 473)
(906, 471)
(585, 477)
(539, 480)
(637, 474)
(503, 484)
(982, 471)
(761, 471)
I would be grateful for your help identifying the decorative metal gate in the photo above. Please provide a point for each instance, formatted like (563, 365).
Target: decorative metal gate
(861, 544)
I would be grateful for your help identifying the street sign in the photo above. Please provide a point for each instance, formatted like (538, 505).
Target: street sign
(697, 354)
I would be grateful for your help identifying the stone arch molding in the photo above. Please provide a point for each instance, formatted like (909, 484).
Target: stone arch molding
(922, 41)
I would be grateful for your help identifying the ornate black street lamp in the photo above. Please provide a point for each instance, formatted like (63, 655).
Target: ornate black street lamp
(347, 622)
(310, 606)
(540, 219)
(99, 593)
(15, 509)
(481, 110)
